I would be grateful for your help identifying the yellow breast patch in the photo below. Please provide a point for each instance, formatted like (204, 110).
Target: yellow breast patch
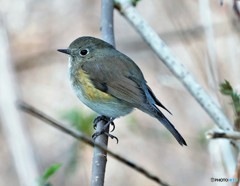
(89, 90)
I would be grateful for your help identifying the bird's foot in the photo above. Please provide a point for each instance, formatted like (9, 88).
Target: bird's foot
(99, 118)
(105, 127)
(96, 134)
(103, 118)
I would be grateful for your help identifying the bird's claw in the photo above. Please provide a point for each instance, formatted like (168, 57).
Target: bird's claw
(111, 136)
(113, 125)
(96, 134)
(104, 129)
(99, 118)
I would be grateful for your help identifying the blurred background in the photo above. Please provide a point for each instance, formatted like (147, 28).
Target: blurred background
(202, 34)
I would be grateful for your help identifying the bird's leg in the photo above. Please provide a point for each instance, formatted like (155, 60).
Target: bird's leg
(100, 118)
(103, 118)
(109, 122)
(103, 131)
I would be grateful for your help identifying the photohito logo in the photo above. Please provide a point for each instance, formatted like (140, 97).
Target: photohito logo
(231, 180)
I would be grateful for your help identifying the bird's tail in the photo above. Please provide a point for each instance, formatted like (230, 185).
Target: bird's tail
(159, 115)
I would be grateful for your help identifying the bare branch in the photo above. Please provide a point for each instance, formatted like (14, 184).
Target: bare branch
(223, 134)
(99, 155)
(82, 137)
(107, 26)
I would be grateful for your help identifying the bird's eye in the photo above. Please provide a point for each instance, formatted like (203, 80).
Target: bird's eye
(84, 52)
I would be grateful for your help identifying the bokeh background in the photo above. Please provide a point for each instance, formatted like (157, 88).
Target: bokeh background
(36, 29)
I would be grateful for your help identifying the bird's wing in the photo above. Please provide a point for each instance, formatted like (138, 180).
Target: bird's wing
(114, 77)
(125, 81)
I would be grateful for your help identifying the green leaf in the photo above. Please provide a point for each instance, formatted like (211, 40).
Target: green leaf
(50, 171)
(226, 88)
(43, 180)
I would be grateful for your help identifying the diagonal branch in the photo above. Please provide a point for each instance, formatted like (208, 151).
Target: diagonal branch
(82, 137)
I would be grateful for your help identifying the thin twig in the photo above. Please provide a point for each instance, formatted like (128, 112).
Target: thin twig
(99, 155)
(223, 134)
(82, 137)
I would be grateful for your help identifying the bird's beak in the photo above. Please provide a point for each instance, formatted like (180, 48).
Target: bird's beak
(66, 51)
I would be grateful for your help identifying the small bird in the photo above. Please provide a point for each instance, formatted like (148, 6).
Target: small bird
(110, 83)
